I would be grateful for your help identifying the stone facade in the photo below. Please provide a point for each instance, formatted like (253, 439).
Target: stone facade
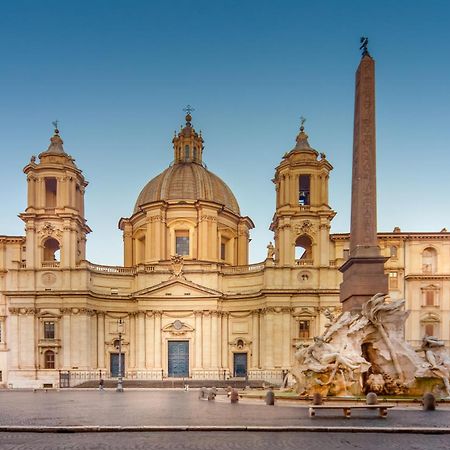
(204, 313)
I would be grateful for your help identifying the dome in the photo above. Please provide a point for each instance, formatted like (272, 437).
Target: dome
(187, 181)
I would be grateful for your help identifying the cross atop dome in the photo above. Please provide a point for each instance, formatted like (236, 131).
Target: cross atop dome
(188, 110)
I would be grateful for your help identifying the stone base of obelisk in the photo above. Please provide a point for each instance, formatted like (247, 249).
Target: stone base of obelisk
(363, 278)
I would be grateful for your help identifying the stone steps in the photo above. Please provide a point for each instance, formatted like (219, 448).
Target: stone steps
(176, 383)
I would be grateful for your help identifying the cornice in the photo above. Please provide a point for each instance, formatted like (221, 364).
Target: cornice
(420, 276)
(398, 236)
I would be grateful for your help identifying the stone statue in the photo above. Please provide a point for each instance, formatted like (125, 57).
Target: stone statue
(437, 356)
(270, 251)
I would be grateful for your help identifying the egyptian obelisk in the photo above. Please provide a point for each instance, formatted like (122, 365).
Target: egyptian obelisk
(363, 272)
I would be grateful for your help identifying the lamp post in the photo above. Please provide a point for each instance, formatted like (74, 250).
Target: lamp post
(120, 324)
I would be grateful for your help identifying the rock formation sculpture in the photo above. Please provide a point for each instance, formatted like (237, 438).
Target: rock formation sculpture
(367, 352)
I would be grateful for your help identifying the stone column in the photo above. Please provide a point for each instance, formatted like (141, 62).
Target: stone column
(214, 340)
(27, 340)
(149, 340)
(132, 340)
(13, 339)
(213, 236)
(324, 249)
(65, 336)
(140, 340)
(206, 340)
(93, 341)
(282, 190)
(286, 338)
(255, 340)
(268, 338)
(101, 339)
(156, 237)
(83, 339)
(149, 244)
(363, 272)
(31, 191)
(225, 362)
(293, 196)
(198, 339)
(158, 359)
(277, 332)
(242, 245)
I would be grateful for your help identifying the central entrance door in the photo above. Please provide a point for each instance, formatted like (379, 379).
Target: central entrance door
(114, 364)
(240, 364)
(178, 359)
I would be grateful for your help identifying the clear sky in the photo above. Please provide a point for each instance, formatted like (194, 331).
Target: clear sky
(118, 73)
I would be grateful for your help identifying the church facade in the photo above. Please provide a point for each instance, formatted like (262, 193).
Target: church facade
(186, 303)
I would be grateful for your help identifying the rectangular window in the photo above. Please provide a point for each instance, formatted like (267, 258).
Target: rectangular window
(429, 298)
(346, 253)
(393, 280)
(223, 251)
(304, 189)
(429, 329)
(182, 242)
(49, 330)
(49, 359)
(304, 329)
(50, 192)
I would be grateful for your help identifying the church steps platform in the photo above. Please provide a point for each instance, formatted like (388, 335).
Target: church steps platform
(176, 383)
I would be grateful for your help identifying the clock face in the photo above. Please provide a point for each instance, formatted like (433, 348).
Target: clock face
(178, 325)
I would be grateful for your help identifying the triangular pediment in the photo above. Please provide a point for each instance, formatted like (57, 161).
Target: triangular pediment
(178, 288)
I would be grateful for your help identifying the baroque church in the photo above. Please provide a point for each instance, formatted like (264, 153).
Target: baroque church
(186, 303)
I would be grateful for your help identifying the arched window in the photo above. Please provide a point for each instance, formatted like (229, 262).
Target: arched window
(303, 250)
(182, 242)
(49, 359)
(51, 250)
(186, 152)
(429, 260)
(195, 153)
(51, 186)
(304, 189)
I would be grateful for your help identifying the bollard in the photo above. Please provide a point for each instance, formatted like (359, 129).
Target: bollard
(428, 402)
(211, 394)
(317, 398)
(202, 393)
(234, 396)
(371, 398)
(270, 397)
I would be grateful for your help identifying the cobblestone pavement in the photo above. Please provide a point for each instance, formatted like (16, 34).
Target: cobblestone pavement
(221, 441)
(171, 408)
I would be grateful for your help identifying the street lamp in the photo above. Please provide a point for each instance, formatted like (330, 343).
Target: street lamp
(120, 324)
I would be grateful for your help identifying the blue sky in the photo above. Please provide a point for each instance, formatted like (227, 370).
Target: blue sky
(118, 73)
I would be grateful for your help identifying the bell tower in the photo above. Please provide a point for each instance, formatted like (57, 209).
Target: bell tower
(54, 218)
(301, 222)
